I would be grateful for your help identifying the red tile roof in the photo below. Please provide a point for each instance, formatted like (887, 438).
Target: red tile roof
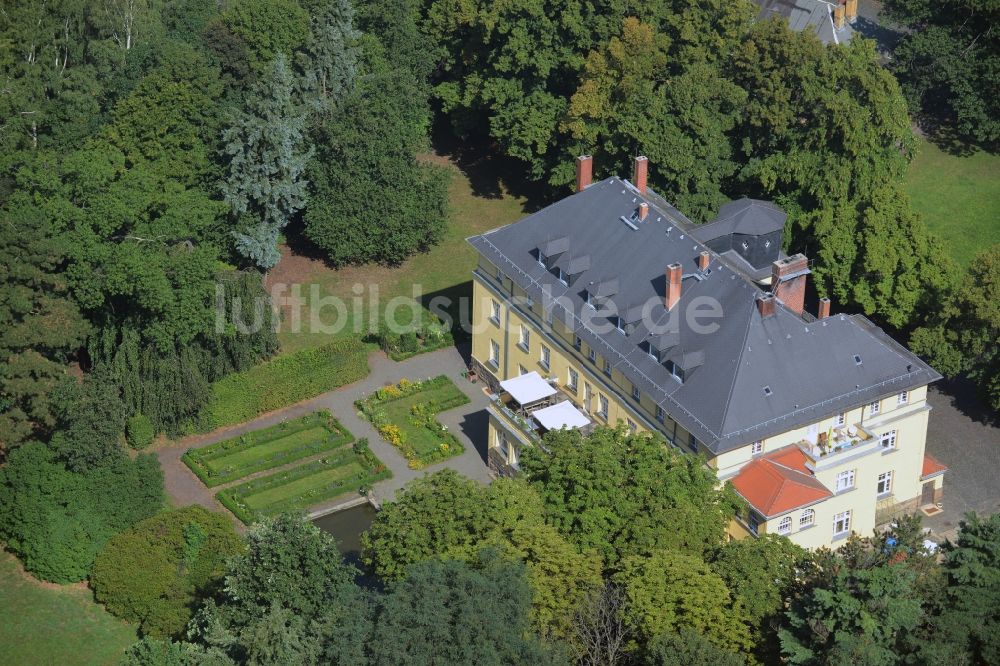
(779, 482)
(932, 466)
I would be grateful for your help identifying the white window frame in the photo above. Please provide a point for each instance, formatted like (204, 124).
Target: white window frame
(845, 480)
(524, 338)
(840, 419)
(842, 523)
(541, 259)
(495, 311)
(602, 405)
(785, 525)
(572, 379)
(592, 355)
(636, 394)
(903, 398)
(660, 414)
(494, 354)
(653, 352)
(874, 407)
(607, 367)
(807, 518)
(562, 277)
(884, 484)
(590, 301)
(888, 440)
(544, 356)
(757, 448)
(620, 325)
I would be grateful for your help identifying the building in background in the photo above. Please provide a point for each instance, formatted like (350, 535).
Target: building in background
(832, 22)
(611, 307)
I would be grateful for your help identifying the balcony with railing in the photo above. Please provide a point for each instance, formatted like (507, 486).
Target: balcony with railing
(533, 419)
(837, 444)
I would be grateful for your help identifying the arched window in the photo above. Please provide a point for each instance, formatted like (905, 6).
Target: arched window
(807, 518)
(785, 525)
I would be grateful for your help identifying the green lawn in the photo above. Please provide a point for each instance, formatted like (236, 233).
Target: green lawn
(959, 197)
(345, 470)
(49, 624)
(264, 449)
(443, 270)
(404, 416)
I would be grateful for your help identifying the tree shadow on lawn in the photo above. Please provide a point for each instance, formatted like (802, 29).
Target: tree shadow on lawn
(491, 174)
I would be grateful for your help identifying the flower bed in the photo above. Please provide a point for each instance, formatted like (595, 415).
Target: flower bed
(350, 469)
(256, 451)
(404, 414)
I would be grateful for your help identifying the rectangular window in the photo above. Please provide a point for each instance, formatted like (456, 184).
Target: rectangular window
(635, 393)
(692, 442)
(842, 523)
(653, 353)
(874, 407)
(494, 311)
(607, 367)
(590, 301)
(620, 324)
(521, 370)
(588, 398)
(845, 480)
(525, 338)
(577, 343)
(545, 357)
(494, 354)
(503, 446)
(903, 398)
(541, 258)
(757, 448)
(660, 416)
(602, 405)
(753, 522)
(885, 483)
(632, 427)
(807, 518)
(573, 380)
(675, 371)
(563, 277)
(592, 355)
(888, 440)
(840, 419)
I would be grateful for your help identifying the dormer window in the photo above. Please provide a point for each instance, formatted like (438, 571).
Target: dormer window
(542, 259)
(675, 371)
(562, 277)
(653, 352)
(619, 324)
(746, 245)
(590, 300)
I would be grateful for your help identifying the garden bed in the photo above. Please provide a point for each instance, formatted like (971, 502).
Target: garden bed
(404, 414)
(260, 450)
(350, 469)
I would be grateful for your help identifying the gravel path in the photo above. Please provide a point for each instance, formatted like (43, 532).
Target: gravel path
(468, 422)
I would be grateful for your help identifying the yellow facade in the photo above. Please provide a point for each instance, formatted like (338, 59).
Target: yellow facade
(512, 335)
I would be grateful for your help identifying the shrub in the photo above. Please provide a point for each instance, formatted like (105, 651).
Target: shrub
(287, 380)
(140, 431)
(156, 572)
(408, 342)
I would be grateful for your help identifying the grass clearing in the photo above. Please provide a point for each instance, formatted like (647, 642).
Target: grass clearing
(348, 469)
(404, 415)
(264, 449)
(480, 201)
(958, 197)
(51, 624)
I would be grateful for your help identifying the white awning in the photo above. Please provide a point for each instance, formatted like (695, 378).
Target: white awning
(528, 388)
(559, 415)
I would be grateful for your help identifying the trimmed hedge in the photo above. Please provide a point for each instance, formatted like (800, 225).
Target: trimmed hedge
(372, 470)
(200, 460)
(418, 423)
(286, 380)
(430, 335)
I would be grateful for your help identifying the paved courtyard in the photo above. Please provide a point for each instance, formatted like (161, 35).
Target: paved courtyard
(467, 422)
(960, 437)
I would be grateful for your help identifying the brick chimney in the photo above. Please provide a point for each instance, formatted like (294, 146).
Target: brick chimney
(852, 10)
(765, 305)
(584, 171)
(673, 285)
(703, 258)
(788, 281)
(643, 211)
(840, 14)
(640, 171)
(824, 308)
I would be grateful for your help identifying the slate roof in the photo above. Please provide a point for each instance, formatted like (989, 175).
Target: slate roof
(808, 368)
(812, 15)
(743, 216)
(779, 482)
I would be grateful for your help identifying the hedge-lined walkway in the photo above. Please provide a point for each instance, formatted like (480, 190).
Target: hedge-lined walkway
(468, 422)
